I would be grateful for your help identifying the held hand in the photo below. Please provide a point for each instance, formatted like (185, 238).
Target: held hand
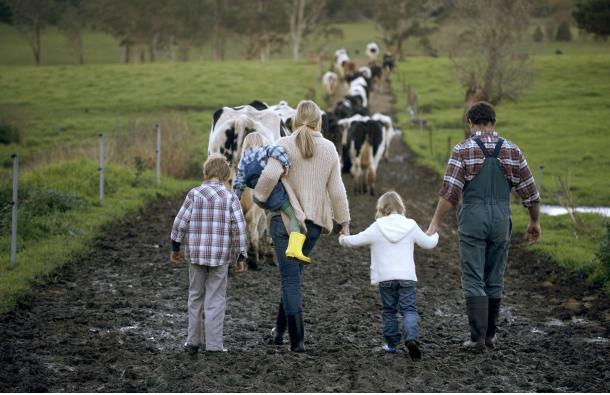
(175, 258)
(432, 229)
(240, 266)
(533, 233)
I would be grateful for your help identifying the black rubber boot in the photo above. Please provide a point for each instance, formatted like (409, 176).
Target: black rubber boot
(280, 326)
(414, 351)
(492, 320)
(477, 307)
(296, 330)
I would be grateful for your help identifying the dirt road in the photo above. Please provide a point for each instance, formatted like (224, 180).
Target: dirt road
(117, 320)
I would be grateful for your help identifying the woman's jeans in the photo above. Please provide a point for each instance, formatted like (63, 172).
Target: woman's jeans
(290, 269)
(399, 296)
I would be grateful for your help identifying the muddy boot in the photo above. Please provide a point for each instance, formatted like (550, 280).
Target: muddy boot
(296, 330)
(477, 307)
(492, 320)
(280, 326)
(414, 351)
(295, 247)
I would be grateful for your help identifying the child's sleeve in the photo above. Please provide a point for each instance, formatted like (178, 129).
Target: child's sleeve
(239, 183)
(181, 222)
(239, 237)
(278, 152)
(363, 238)
(425, 241)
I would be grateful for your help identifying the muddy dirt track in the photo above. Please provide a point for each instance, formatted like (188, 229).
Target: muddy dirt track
(117, 320)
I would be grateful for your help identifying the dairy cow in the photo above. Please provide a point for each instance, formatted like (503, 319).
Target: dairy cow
(366, 147)
(389, 132)
(330, 81)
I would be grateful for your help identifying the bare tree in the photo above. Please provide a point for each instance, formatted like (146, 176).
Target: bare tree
(31, 16)
(486, 57)
(303, 17)
(74, 16)
(399, 20)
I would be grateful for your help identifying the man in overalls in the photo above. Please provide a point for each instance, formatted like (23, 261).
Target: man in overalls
(483, 169)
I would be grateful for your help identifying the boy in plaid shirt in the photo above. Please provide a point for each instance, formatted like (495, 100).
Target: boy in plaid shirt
(213, 223)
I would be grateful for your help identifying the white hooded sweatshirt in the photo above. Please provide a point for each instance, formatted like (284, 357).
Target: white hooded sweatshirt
(391, 239)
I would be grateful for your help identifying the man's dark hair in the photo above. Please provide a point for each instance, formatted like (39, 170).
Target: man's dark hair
(481, 113)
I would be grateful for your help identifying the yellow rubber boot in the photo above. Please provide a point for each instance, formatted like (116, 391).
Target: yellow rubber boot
(295, 247)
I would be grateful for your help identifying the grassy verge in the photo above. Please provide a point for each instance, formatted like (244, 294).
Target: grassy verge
(58, 225)
(557, 124)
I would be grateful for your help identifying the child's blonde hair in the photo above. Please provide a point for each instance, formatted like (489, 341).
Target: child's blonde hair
(389, 203)
(216, 167)
(307, 120)
(254, 139)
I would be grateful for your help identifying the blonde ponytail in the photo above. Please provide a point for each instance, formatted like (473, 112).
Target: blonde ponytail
(307, 120)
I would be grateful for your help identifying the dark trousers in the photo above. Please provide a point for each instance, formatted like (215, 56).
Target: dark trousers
(290, 269)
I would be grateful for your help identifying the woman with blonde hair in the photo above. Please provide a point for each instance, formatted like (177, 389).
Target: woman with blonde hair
(318, 196)
(392, 238)
(256, 151)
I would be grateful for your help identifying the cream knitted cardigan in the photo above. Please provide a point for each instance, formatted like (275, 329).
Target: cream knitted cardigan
(314, 185)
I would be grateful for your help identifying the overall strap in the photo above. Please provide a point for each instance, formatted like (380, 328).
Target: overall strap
(498, 146)
(482, 146)
(496, 149)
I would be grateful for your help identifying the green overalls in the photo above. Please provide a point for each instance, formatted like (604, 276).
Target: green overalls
(484, 227)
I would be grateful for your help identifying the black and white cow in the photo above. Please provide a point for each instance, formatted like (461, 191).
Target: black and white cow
(341, 57)
(372, 51)
(388, 62)
(389, 132)
(360, 87)
(366, 147)
(230, 126)
(350, 106)
(330, 81)
(331, 130)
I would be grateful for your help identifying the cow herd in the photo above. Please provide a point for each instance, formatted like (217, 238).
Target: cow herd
(361, 139)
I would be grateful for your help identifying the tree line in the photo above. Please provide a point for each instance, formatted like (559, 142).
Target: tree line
(148, 29)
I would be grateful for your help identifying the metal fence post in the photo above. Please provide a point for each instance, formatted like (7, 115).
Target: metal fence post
(14, 213)
(101, 169)
(158, 152)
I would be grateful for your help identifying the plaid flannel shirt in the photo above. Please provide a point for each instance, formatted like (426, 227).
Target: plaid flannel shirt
(260, 154)
(213, 224)
(467, 160)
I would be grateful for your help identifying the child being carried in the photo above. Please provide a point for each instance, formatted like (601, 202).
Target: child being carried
(256, 150)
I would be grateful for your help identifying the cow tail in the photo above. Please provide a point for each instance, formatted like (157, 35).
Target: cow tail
(366, 155)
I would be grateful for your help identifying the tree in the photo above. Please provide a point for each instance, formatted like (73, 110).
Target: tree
(74, 16)
(6, 15)
(262, 23)
(594, 17)
(487, 58)
(538, 35)
(303, 17)
(400, 20)
(188, 25)
(32, 16)
(563, 32)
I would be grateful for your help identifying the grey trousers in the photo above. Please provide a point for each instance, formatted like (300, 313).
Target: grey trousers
(206, 305)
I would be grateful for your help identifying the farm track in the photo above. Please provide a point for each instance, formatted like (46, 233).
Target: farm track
(116, 320)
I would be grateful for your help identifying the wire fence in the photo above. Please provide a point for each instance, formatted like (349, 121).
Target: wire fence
(14, 204)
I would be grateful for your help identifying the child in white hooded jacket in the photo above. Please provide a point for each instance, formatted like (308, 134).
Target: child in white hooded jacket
(392, 238)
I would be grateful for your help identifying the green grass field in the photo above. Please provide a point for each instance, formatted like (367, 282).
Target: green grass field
(61, 110)
(67, 105)
(559, 123)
